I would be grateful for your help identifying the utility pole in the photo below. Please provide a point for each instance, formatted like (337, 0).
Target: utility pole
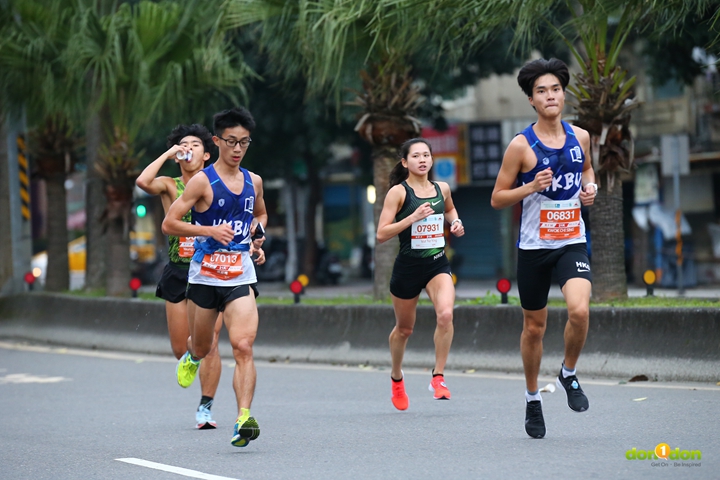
(675, 162)
(678, 224)
(18, 218)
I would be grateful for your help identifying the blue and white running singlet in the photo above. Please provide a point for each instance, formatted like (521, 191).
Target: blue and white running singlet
(237, 210)
(551, 218)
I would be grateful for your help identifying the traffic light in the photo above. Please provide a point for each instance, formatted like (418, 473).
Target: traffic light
(141, 210)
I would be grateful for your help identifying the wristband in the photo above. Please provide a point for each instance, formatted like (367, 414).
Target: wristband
(456, 220)
(259, 232)
(594, 185)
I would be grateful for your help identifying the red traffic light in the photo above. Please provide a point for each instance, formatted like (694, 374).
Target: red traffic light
(135, 284)
(29, 278)
(503, 285)
(296, 287)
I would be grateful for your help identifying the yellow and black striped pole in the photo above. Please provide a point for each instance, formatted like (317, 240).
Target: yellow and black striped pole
(23, 174)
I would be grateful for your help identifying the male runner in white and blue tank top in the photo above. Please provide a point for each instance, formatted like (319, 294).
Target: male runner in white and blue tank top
(547, 170)
(227, 206)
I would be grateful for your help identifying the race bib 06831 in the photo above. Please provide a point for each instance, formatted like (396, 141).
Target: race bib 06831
(560, 220)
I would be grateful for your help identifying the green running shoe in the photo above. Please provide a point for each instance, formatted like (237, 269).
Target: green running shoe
(249, 430)
(186, 370)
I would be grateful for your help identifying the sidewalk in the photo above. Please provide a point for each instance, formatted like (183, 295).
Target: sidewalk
(465, 289)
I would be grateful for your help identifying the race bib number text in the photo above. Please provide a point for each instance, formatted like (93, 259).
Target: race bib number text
(222, 265)
(560, 220)
(428, 233)
(186, 247)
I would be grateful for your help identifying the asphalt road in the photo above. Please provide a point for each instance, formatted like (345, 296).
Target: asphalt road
(73, 414)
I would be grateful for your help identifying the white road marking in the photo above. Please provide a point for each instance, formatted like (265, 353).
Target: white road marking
(27, 378)
(134, 357)
(177, 470)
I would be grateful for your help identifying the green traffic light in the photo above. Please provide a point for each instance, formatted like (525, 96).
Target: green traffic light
(141, 211)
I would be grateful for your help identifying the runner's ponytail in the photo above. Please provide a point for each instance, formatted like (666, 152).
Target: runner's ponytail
(398, 174)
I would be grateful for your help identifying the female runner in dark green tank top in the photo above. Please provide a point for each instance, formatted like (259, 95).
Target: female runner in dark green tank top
(416, 211)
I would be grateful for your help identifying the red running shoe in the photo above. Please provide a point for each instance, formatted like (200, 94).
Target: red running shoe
(399, 397)
(438, 386)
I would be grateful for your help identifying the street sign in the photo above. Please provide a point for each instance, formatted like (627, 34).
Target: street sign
(445, 170)
(675, 154)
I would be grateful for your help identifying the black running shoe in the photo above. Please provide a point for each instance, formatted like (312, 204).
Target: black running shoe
(576, 398)
(534, 421)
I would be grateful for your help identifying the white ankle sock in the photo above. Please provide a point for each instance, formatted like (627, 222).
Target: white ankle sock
(566, 373)
(530, 397)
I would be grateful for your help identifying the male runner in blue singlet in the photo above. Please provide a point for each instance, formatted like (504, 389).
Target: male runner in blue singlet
(227, 205)
(546, 169)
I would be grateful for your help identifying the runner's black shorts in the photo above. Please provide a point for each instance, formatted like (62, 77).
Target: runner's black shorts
(216, 298)
(173, 283)
(535, 269)
(411, 274)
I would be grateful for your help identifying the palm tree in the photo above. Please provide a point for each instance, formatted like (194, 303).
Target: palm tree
(35, 79)
(603, 94)
(367, 46)
(143, 61)
(604, 101)
(388, 100)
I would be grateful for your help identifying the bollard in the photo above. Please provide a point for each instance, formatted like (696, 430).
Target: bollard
(296, 288)
(503, 286)
(649, 278)
(30, 280)
(135, 284)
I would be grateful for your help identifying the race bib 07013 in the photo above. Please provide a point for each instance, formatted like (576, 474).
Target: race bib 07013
(222, 265)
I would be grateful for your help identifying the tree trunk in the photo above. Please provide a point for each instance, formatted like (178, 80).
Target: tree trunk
(58, 273)
(95, 202)
(314, 199)
(117, 249)
(384, 159)
(608, 241)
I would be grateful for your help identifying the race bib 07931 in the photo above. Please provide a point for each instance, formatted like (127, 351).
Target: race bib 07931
(428, 233)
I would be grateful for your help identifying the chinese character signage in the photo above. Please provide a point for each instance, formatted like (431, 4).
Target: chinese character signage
(484, 147)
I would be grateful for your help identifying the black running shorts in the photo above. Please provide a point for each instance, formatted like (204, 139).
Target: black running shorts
(535, 269)
(216, 298)
(173, 283)
(410, 274)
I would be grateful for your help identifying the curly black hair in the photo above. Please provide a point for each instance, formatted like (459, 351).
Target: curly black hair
(196, 130)
(534, 69)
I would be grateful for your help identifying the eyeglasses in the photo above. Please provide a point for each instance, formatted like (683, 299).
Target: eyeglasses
(231, 142)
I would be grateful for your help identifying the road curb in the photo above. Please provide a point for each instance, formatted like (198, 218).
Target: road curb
(662, 343)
